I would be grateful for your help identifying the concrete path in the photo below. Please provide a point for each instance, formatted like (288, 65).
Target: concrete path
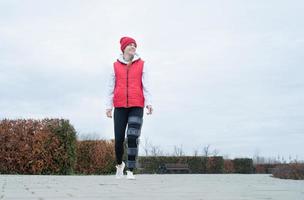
(154, 187)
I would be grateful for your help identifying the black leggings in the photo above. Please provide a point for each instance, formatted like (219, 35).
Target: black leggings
(121, 116)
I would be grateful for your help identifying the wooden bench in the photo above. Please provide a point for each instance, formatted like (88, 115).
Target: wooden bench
(175, 168)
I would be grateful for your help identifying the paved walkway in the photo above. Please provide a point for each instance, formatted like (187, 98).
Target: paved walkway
(156, 187)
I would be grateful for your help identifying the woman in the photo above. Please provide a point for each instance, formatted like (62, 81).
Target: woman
(128, 93)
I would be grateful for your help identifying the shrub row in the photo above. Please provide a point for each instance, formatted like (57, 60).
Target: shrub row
(37, 146)
(243, 165)
(197, 164)
(50, 146)
(264, 168)
(95, 157)
(289, 171)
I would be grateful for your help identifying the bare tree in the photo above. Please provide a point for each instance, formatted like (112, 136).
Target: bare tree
(156, 151)
(150, 149)
(215, 152)
(256, 157)
(178, 151)
(206, 150)
(147, 146)
(195, 152)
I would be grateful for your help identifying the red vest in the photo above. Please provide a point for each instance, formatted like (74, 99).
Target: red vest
(128, 90)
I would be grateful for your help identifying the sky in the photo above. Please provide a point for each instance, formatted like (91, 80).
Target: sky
(228, 74)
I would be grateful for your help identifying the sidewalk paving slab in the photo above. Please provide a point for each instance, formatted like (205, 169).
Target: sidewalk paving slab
(151, 187)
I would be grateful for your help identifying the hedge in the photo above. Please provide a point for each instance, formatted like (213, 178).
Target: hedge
(289, 171)
(95, 157)
(243, 165)
(197, 164)
(30, 146)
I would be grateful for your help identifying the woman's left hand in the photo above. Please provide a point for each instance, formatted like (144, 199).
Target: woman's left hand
(150, 109)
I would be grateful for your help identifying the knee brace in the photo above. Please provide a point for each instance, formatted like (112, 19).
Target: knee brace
(133, 151)
(134, 126)
(131, 164)
(133, 133)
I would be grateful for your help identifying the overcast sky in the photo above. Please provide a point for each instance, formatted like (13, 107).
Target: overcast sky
(224, 73)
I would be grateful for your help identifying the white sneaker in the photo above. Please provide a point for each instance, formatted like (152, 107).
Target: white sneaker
(130, 175)
(119, 170)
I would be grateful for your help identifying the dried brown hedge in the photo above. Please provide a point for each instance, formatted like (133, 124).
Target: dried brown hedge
(228, 166)
(289, 171)
(95, 157)
(264, 168)
(30, 146)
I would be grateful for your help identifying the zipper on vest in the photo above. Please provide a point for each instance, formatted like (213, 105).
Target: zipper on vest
(127, 83)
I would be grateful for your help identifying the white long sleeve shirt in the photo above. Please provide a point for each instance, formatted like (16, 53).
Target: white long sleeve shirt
(145, 82)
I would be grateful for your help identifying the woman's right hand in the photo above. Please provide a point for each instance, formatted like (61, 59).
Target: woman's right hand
(109, 113)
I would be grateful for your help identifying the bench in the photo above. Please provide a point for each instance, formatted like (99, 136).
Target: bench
(175, 168)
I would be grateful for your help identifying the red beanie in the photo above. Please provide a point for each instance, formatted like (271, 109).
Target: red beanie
(125, 41)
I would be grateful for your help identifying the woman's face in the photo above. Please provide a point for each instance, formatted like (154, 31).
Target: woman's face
(130, 49)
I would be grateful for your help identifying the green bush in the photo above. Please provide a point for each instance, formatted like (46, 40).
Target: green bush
(67, 137)
(243, 165)
(197, 164)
